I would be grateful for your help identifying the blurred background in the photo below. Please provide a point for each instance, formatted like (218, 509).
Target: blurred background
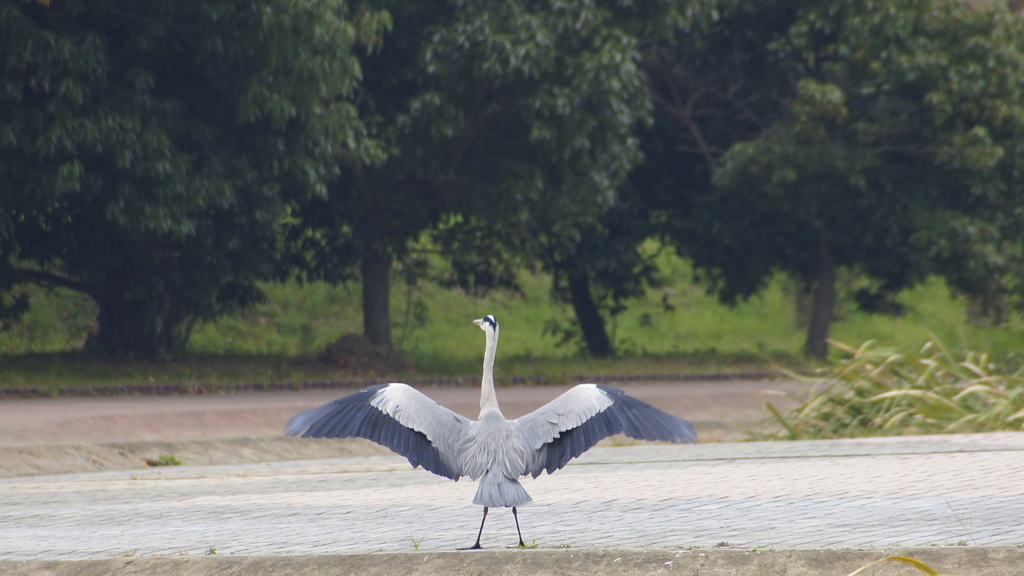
(280, 191)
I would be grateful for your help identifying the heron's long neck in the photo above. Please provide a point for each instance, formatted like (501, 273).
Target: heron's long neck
(488, 399)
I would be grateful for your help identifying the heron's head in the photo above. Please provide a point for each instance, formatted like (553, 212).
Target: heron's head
(488, 324)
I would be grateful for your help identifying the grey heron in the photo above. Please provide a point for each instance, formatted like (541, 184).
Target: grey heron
(492, 450)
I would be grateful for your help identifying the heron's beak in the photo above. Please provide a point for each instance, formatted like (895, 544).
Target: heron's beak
(478, 321)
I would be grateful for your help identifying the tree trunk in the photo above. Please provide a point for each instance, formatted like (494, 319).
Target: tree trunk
(589, 317)
(175, 328)
(124, 327)
(987, 307)
(824, 300)
(376, 269)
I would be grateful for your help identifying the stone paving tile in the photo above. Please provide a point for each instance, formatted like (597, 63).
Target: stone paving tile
(827, 494)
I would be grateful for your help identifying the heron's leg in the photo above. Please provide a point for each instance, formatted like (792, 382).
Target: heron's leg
(477, 546)
(515, 515)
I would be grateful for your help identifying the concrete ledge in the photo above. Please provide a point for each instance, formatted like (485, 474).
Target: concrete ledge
(964, 561)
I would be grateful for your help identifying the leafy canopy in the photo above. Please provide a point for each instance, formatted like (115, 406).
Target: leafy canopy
(149, 151)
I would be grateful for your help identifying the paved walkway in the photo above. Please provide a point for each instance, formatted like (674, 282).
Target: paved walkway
(909, 492)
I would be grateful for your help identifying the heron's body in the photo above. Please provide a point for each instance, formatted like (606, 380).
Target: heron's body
(494, 454)
(491, 450)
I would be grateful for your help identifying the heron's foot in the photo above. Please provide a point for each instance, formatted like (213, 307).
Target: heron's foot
(476, 546)
(524, 546)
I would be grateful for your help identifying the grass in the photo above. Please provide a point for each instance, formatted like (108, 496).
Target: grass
(165, 460)
(275, 341)
(884, 391)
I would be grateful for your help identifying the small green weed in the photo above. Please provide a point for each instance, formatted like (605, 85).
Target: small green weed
(164, 460)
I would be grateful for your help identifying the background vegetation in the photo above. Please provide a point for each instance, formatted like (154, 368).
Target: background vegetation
(880, 391)
(220, 191)
(279, 339)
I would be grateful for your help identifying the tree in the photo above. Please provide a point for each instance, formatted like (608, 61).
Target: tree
(601, 266)
(150, 153)
(885, 120)
(512, 119)
(602, 269)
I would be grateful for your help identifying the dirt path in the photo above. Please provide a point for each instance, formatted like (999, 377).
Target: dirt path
(64, 435)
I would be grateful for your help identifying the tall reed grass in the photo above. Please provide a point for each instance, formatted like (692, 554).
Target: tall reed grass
(877, 391)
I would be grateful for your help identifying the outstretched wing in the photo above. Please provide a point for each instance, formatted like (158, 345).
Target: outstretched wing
(394, 415)
(587, 413)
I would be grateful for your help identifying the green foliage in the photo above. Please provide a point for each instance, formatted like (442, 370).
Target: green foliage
(58, 319)
(698, 327)
(165, 460)
(886, 148)
(270, 342)
(507, 126)
(296, 319)
(605, 268)
(881, 391)
(173, 162)
(149, 152)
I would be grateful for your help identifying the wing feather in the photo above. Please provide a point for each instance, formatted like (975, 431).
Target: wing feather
(394, 415)
(584, 415)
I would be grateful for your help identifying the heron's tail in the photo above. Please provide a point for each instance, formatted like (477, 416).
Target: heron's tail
(501, 491)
